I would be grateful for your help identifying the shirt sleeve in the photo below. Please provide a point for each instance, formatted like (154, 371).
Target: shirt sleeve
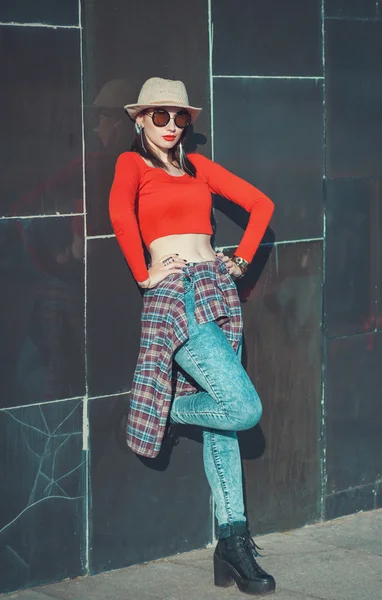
(256, 203)
(123, 216)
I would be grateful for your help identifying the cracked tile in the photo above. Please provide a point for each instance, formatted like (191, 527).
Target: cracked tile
(41, 510)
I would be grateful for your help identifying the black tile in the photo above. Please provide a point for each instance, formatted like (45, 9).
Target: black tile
(53, 12)
(267, 38)
(353, 91)
(378, 237)
(113, 325)
(274, 139)
(354, 411)
(111, 80)
(42, 309)
(350, 8)
(40, 120)
(351, 257)
(41, 476)
(349, 502)
(282, 353)
(143, 509)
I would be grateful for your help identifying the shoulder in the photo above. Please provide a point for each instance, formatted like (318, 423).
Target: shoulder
(207, 168)
(130, 165)
(200, 161)
(131, 159)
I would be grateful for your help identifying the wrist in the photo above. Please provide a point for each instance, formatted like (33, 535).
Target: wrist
(241, 263)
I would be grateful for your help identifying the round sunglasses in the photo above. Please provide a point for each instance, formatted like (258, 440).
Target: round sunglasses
(162, 117)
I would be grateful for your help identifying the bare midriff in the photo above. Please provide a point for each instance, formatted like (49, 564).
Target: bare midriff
(193, 247)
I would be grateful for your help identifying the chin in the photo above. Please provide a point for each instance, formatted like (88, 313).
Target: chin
(167, 145)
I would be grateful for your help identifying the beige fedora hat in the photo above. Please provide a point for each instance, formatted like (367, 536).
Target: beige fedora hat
(162, 92)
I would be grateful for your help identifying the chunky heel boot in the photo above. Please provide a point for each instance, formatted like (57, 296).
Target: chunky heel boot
(222, 573)
(234, 561)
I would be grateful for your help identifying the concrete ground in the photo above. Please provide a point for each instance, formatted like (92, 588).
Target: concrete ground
(336, 560)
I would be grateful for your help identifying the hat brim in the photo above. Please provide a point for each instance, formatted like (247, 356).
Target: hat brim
(134, 109)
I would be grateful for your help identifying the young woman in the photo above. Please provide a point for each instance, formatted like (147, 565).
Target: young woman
(189, 366)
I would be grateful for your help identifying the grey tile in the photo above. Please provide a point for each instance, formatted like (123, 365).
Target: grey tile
(282, 354)
(350, 501)
(41, 477)
(153, 507)
(40, 120)
(354, 412)
(377, 232)
(353, 89)
(274, 140)
(53, 12)
(351, 258)
(41, 310)
(350, 8)
(267, 38)
(114, 304)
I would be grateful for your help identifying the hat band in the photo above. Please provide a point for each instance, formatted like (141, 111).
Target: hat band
(164, 102)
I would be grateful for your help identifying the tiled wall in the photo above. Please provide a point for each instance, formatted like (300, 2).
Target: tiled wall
(292, 102)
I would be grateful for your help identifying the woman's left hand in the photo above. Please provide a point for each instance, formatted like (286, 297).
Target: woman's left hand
(232, 267)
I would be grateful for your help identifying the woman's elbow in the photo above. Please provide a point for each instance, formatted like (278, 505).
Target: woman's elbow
(269, 206)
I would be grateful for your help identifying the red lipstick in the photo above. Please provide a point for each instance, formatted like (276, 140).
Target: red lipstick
(169, 138)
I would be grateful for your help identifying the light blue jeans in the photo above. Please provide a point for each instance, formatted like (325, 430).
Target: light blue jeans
(229, 404)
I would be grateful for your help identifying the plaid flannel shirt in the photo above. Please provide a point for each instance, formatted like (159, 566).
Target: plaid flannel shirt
(157, 378)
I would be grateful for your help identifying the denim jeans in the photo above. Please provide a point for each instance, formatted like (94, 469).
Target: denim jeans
(229, 404)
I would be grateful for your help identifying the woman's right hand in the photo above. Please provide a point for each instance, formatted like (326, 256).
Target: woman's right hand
(159, 271)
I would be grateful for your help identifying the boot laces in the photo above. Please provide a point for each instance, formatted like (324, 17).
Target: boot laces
(252, 552)
(251, 545)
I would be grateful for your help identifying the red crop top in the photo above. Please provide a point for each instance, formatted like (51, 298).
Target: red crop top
(149, 203)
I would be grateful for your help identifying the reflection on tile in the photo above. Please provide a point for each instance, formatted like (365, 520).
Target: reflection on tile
(113, 325)
(42, 310)
(54, 12)
(351, 257)
(256, 37)
(350, 8)
(378, 499)
(41, 126)
(282, 353)
(354, 411)
(108, 133)
(274, 140)
(41, 475)
(349, 502)
(112, 80)
(353, 91)
(154, 507)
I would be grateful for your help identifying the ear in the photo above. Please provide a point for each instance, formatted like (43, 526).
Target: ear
(139, 119)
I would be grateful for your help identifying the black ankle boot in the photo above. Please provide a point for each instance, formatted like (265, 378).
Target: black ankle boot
(234, 561)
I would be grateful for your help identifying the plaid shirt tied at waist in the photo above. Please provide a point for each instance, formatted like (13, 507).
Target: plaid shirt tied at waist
(157, 378)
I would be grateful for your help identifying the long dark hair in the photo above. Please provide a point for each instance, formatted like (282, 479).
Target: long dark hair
(174, 154)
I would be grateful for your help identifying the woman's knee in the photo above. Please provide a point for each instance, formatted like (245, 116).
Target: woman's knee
(248, 412)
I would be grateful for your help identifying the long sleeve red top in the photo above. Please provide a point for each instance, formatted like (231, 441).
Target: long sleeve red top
(147, 203)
